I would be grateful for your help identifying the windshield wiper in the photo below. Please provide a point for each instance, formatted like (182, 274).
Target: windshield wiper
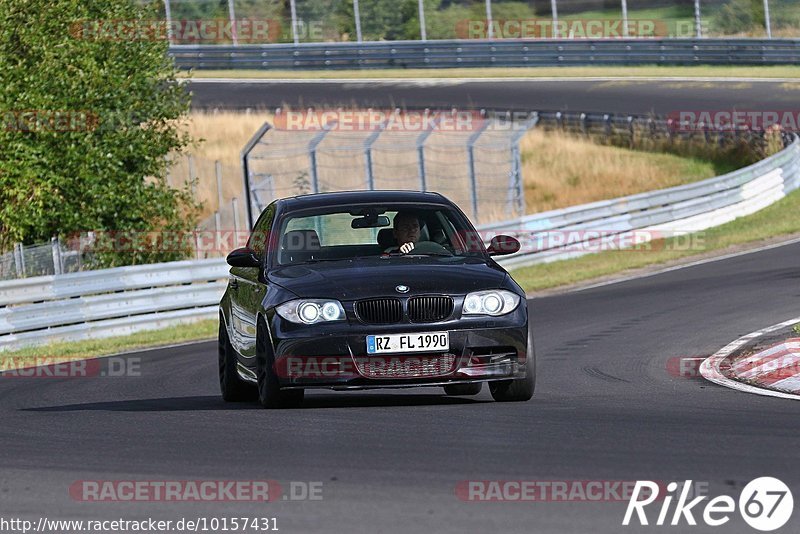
(319, 260)
(418, 254)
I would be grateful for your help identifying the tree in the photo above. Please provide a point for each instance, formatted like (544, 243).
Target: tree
(90, 111)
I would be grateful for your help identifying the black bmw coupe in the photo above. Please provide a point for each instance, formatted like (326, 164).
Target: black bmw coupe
(371, 289)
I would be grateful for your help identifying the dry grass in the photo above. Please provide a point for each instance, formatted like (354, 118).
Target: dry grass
(219, 137)
(559, 169)
(563, 170)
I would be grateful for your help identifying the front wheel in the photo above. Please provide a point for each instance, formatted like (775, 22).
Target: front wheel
(269, 392)
(521, 389)
(233, 388)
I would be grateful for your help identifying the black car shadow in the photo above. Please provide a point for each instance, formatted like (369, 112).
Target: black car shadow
(214, 402)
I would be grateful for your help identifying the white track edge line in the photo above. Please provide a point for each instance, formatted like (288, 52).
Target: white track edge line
(443, 81)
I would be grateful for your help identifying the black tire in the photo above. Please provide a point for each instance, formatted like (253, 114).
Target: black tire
(232, 387)
(269, 392)
(463, 389)
(519, 390)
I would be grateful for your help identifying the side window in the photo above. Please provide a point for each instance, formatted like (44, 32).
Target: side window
(258, 239)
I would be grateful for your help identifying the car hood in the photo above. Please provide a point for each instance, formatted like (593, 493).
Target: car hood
(362, 278)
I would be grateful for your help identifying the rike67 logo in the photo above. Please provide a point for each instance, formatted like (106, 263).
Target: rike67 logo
(765, 504)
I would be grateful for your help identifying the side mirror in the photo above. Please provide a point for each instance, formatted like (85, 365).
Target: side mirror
(502, 245)
(243, 257)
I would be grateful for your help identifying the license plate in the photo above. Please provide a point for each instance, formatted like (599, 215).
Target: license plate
(424, 342)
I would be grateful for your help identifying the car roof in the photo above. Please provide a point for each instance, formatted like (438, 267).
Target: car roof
(318, 200)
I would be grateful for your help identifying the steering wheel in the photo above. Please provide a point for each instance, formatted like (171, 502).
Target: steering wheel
(429, 247)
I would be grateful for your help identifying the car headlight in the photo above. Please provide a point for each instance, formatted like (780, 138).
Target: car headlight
(492, 302)
(311, 311)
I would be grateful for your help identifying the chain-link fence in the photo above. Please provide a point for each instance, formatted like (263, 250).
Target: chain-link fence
(40, 260)
(478, 166)
(474, 160)
(317, 21)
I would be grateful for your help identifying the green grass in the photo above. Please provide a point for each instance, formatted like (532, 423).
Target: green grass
(779, 219)
(522, 72)
(796, 328)
(92, 348)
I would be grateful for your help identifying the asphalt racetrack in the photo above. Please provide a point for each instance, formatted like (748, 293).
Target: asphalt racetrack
(618, 96)
(606, 409)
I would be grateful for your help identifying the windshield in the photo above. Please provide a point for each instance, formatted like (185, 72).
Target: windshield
(350, 232)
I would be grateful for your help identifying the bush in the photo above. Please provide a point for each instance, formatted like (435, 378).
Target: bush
(104, 170)
(740, 16)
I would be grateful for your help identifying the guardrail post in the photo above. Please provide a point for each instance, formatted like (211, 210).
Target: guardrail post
(245, 155)
(192, 176)
(472, 178)
(312, 154)
(218, 172)
(767, 23)
(584, 127)
(607, 124)
(554, 9)
(217, 230)
(235, 208)
(516, 189)
(293, 9)
(625, 18)
(19, 260)
(422, 30)
(490, 31)
(631, 132)
(357, 15)
(698, 23)
(232, 18)
(197, 242)
(368, 142)
(168, 17)
(423, 186)
(58, 264)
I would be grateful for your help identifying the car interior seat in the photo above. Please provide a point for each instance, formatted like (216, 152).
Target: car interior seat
(300, 245)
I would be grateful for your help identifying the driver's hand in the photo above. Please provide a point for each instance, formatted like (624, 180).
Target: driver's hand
(406, 248)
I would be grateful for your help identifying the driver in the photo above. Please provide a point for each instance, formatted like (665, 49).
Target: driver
(406, 231)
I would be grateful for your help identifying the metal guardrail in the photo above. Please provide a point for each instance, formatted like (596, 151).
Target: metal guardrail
(124, 300)
(676, 210)
(489, 53)
(109, 302)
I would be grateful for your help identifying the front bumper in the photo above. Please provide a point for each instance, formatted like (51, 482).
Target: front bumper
(340, 361)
